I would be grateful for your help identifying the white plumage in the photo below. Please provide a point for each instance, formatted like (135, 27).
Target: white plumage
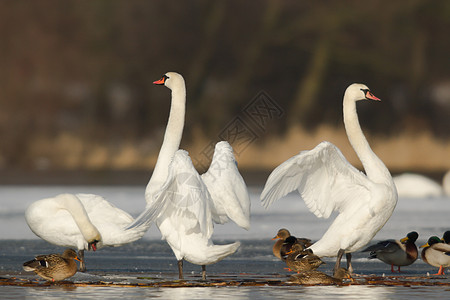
(415, 185)
(327, 182)
(82, 221)
(188, 204)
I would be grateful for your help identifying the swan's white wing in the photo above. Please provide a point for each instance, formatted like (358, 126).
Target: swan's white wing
(324, 178)
(229, 195)
(183, 199)
(100, 210)
(149, 215)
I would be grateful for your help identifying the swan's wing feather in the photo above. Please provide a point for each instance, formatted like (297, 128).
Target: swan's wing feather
(183, 198)
(324, 178)
(99, 209)
(187, 197)
(148, 216)
(229, 195)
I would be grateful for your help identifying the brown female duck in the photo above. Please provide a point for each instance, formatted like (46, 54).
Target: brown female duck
(396, 252)
(300, 259)
(314, 277)
(53, 267)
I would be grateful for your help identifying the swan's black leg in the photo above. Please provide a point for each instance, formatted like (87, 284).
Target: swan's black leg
(82, 267)
(349, 263)
(203, 272)
(338, 260)
(180, 269)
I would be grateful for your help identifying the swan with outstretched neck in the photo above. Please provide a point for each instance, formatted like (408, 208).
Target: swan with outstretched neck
(327, 182)
(190, 203)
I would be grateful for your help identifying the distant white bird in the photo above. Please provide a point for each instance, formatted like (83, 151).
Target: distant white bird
(191, 203)
(416, 185)
(446, 183)
(327, 182)
(82, 221)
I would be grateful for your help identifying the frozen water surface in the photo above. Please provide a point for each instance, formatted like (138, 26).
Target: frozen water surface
(152, 258)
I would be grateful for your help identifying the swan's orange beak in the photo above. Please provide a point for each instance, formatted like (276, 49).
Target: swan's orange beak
(275, 238)
(371, 96)
(160, 81)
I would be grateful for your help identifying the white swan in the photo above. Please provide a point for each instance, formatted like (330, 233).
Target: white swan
(446, 183)
(82, 221)
(191, 203)
(327, 182)
(416, 185)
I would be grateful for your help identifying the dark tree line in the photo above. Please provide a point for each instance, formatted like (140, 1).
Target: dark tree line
(86, 67)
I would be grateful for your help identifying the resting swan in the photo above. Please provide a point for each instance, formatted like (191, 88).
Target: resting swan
(82, 221)
(327, 182)
(417, 186)
(191, 203)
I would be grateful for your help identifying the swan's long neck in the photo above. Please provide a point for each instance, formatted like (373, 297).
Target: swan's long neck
(374, 167)
(172, 139)
(74, 206)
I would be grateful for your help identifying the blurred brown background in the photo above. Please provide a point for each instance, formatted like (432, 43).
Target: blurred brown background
(76, 89)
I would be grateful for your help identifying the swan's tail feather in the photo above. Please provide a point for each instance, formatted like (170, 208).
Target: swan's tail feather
(222, 251)
(216, 253)
(148, 216)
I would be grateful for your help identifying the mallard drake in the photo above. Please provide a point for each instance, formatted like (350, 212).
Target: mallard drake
(436, 253)
(396, 252)
(446, 237)
(53, 267)
(316, 277)
(286, 247)
(284, 242)
(300, 260)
